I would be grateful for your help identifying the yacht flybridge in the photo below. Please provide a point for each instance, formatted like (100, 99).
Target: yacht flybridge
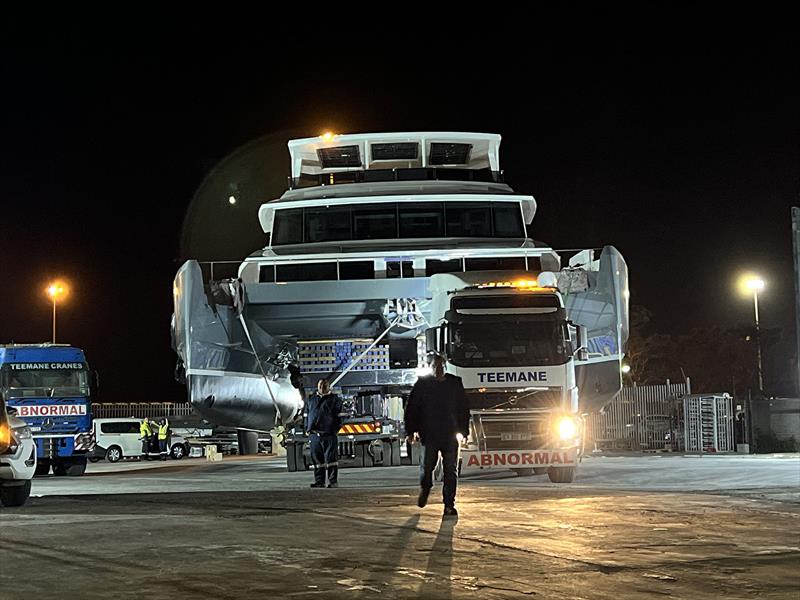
(342, 288)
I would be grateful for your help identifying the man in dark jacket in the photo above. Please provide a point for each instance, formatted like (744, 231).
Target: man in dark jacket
(323, 421)
(437, 410)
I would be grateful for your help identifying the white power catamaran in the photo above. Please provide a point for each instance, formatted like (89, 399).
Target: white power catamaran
(342, 288)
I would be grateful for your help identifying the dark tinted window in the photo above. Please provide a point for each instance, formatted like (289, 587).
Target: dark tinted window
(395, 151)
(393, 269)
(469, 219)
(510, 301)
(375, 222)
(339, 156)
(326, 224)
(288, 226)
(119, 427)
(507, 220)
(422, 220)
(267, 274)
(306, 272)
(359, 269)
(432, 267)
(495, 264)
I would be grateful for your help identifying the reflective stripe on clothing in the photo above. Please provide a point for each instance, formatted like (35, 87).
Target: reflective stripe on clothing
(162, 431)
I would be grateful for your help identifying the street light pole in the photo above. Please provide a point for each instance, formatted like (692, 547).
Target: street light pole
(757, 284)
(55, 290)
(54, 319)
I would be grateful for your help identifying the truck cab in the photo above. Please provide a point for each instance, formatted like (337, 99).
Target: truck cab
(510, 341)
(48, 386)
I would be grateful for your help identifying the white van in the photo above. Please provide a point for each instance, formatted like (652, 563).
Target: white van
(119, 438)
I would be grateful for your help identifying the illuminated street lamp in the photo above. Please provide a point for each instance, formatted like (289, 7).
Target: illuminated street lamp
(755, 285)
(56, 291)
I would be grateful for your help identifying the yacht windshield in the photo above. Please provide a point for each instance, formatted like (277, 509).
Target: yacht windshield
(509, 342)
(20, 383)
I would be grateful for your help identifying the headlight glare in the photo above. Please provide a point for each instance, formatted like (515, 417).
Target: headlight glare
(567, 429)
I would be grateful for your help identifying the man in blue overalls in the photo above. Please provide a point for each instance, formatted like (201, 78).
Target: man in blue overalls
(323, 421)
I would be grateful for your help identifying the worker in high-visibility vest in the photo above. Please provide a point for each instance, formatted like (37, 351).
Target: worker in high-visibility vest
(163, 438)
(146, 435)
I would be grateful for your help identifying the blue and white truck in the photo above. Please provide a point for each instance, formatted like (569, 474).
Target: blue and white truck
(49, 387)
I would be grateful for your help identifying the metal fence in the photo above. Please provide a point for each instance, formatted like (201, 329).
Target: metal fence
(642, 417)
(141, 409)
(708, 423)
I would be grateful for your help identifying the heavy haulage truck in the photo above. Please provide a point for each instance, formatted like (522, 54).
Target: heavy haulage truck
(510, 339)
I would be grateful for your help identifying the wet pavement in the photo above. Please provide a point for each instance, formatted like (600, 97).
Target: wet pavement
(630, 527)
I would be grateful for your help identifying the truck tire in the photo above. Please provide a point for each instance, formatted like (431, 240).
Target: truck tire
(362, 455)
(114, 454)
(59, 469)
(42, 468)
(291, 457)
(523, 472)
(301, 457)
(76, 467)
(561, 474)
(15, 495)
(395, 453)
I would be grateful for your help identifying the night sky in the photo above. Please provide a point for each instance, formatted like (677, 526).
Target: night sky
(687, 160)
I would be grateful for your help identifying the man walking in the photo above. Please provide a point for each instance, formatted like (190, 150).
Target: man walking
(437, 410)
(323, 421)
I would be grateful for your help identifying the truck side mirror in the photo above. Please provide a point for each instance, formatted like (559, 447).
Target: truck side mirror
(431, 339)
(583, 342)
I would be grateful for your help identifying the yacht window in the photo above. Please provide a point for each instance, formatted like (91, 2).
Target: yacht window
(516, 263)
(507, 220)
(357, 269)
(393, 269)
(266, 274)
(422, 220)
(339, 156)
(288, 227)
(432, 266)
(306, 272)
(469, 219)
(327, 224)
(375, 222)
(395, 151)
(449, 154)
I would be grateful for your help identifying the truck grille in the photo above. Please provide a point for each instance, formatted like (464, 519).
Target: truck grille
(523, 431)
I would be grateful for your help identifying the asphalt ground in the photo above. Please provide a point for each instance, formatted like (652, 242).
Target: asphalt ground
(629, 527)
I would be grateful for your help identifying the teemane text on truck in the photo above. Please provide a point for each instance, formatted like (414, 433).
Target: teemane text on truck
(49, 386)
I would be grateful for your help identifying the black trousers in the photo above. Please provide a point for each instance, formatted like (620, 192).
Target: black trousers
(430, 456)
(324, 457)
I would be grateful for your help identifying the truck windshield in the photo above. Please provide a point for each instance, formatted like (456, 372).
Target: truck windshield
(509, 342)
(21, 383)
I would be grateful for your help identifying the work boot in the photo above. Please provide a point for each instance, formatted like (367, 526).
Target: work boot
(317, 485)
(422, 500)
(450, 511)
(333, 485)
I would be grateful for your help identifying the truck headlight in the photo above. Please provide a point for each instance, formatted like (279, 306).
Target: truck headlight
(567, 428)
(22, 433)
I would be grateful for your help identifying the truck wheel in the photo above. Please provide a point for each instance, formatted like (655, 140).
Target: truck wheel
(561, 474)
(395, 453)
(76, 468)
(523, 472)
(291, 457)
(178, 451)
(114, 454)
(15, 495)
(301, 458)
(93, 459)
(60, 469)
(361, 455)
(42, 467)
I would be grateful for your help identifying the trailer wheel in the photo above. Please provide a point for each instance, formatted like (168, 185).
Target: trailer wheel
(15, 495)
(523, 472)
(291, 457)
(395, 453)
(561, 474)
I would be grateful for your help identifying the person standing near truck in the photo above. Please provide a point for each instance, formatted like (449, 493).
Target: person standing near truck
(323, 421)
(437, 410)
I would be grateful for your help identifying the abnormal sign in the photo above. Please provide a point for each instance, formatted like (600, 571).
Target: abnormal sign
(518, 458)
(52, 410)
